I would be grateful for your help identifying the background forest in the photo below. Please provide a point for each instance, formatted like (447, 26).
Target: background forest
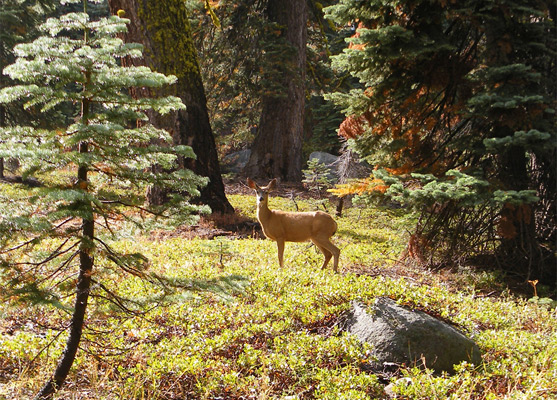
(130, 261)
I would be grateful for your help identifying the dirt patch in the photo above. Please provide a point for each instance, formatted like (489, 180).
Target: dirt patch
(215, 225)
(30, 181)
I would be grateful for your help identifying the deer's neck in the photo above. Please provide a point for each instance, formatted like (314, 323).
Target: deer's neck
(263, 211)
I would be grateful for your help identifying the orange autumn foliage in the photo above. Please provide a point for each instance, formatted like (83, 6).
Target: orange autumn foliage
(511, 217)
(417, 124)
(357, 35)
(352, 127)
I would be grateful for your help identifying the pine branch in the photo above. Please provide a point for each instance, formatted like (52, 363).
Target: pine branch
(61, 267)
(117, 300)
(35, 239)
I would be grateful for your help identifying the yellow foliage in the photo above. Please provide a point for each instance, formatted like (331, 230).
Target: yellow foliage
(210, 6)
(360, 186)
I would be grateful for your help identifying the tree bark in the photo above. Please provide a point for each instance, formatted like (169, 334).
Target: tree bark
(520, 247)
(277, 149)
(78, 317)
(83, 287)
(163, 29)
(2, 125)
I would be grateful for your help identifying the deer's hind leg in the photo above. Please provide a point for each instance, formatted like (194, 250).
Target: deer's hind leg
(328, 249)
(325, 252)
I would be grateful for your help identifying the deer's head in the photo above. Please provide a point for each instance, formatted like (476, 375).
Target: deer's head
(262, 193)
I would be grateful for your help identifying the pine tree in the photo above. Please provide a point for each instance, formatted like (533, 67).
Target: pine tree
(459, 98)
(107, 152)
(18, 20)
(230, 40)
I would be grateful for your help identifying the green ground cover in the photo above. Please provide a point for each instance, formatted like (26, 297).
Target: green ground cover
(243, 328)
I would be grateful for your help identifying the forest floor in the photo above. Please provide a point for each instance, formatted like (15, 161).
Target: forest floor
(239, 327)
(241, 227)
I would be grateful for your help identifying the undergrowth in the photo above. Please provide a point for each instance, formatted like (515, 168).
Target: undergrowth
(243, 328)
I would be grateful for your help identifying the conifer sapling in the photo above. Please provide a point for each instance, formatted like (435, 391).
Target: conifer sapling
(93, 171)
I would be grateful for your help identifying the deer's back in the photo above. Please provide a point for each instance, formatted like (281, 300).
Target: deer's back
(298, 226)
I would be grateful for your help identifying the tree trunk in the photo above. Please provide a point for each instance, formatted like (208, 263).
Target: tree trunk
(86, 262)
(2, 125)
(519, 243)
(163, 29)
(277, 149)
(78, 317)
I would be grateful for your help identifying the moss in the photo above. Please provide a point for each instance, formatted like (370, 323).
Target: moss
(168, 23)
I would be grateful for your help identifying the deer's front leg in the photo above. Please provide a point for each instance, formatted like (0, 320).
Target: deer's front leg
(280, 247)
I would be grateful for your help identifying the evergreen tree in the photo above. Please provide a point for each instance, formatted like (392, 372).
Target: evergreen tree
(107, 152)
(323, 117)
(18, 20)
(231, 40)
(459, 97)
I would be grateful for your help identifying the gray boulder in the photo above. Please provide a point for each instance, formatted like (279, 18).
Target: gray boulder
(235, 162)
(404, 336)
(323, 157)
(330, 161)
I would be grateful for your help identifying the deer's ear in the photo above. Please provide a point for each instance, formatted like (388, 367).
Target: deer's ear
(272, 184)
(252, 184)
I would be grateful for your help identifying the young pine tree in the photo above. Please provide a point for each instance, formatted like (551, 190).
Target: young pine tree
(92, 173)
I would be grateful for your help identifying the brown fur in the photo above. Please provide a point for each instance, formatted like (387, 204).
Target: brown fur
(283, 226)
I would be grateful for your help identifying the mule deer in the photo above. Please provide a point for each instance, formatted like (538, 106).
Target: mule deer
(282, 226)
